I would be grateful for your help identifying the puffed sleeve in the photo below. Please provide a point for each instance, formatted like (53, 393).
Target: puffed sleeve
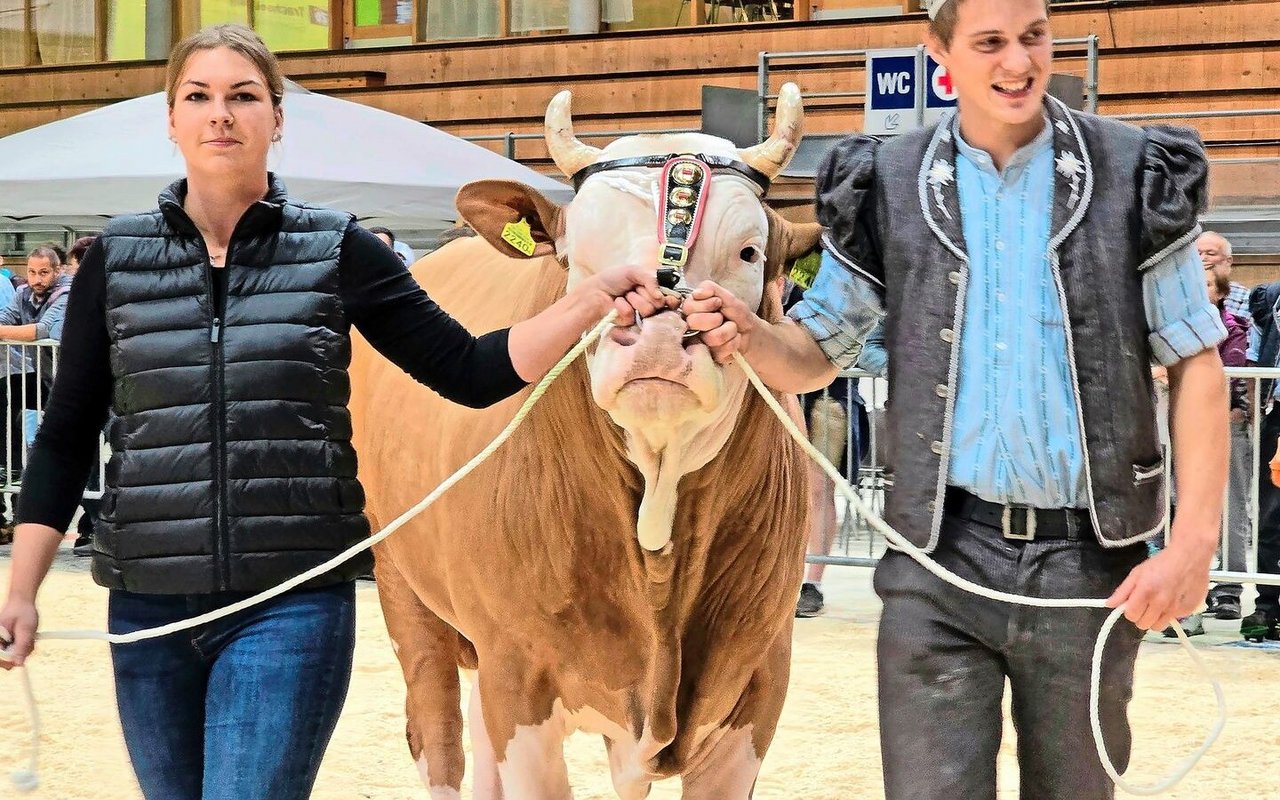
(1174, 191)
(846, 206)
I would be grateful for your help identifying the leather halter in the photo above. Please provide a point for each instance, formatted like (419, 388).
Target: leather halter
(685, 183)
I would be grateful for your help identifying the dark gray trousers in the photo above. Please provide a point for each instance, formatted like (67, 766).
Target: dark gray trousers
(944, 656)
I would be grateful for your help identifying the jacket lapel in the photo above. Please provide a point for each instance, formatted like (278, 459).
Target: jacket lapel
(1072, 173)
(939, 196)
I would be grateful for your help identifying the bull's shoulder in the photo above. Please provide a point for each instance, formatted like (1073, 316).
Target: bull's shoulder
(485, 289)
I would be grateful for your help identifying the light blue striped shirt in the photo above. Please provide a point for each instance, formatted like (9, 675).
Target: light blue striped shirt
(1016, 431)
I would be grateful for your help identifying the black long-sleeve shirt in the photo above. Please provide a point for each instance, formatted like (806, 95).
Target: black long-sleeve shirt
(380, 298)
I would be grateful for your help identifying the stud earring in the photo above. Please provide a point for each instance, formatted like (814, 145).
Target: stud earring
(276, 138)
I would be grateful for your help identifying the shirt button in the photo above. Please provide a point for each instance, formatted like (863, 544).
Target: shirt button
(941, 390)
(954, 277)
(1001, 346)
(999, 245)
(999, 297)
(947, 335)
(936, 447)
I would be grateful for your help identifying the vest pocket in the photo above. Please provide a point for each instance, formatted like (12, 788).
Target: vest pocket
(1147, 473)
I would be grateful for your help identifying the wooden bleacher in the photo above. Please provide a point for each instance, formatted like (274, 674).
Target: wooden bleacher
(1156, 55)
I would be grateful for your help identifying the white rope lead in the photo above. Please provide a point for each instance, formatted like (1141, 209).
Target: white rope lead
(27, 780)
(841, 485)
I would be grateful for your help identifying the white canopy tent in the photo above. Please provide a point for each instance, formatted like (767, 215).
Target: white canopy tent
(336, 153)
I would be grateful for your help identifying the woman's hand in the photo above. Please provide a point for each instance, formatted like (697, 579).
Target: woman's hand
(20, 621)
(627, 290)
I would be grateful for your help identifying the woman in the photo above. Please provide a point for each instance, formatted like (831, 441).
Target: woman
(216, 331)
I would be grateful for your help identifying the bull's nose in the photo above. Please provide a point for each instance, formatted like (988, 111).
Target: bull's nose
(664, 325)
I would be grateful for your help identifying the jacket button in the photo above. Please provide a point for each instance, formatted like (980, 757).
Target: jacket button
(941, 390)
(947, 335)
(937, 448)
(933, 506)
(954, 277)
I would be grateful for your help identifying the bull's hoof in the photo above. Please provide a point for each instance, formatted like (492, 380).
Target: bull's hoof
(810, 602)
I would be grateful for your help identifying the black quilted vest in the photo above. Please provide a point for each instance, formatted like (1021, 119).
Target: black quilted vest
(232, 467)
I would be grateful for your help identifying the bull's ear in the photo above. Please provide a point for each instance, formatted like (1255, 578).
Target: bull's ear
(515, 219)
(788, 241)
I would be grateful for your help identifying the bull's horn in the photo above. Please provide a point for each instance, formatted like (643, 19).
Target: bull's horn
(773, 155)
(569, 154)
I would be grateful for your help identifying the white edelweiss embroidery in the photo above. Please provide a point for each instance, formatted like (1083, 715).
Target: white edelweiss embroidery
(941, 174)
(1071, 167)
(1062, 126)
(1069, 164)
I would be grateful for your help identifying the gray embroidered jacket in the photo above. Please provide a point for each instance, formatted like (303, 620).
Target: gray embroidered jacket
(1124, 198)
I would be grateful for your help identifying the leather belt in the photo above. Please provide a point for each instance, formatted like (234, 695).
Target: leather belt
(1018, 522)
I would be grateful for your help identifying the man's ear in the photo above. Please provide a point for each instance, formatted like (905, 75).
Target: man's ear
(935, 47)
(516, 220)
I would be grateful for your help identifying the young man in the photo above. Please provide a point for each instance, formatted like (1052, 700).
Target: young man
(1029, 262)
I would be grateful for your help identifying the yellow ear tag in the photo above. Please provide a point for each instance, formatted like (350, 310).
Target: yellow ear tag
(520, 236)
(805, 269)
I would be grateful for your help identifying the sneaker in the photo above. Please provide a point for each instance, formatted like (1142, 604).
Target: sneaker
(810, 602)
(1192, 625)
(1225, 608)
(1258, 626)
(83, 546)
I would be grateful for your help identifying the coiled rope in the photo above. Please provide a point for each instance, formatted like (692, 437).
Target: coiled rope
(28, 779)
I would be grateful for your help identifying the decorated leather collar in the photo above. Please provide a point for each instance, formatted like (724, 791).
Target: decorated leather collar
(685, 184)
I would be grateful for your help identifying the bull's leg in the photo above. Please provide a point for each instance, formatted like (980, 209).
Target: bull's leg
(428, 652)
(532, 763)
(729, 770)
(488, 785)
(630, 781)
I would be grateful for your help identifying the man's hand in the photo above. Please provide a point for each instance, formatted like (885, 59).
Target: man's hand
(1171, 584)
(725, 322)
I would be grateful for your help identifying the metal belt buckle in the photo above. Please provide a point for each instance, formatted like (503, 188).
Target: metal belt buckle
(1018, 522)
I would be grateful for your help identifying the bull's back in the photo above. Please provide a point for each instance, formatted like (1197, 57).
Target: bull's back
(408, 438)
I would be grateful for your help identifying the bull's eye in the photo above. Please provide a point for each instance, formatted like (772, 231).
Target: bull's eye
(750, 254)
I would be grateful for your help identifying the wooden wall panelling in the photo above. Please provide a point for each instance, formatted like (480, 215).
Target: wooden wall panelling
(1204, 23)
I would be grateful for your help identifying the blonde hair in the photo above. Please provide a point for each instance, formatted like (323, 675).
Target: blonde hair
(234, 37)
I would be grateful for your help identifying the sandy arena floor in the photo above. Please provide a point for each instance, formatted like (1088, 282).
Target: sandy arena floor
(826, 749)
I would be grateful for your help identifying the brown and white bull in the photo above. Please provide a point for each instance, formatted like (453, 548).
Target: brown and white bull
(627, 564)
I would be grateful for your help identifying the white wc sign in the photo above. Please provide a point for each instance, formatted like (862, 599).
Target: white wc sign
(895, 97)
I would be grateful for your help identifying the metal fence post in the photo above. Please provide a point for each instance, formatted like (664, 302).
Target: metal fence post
(1091, 76)
(762, 96)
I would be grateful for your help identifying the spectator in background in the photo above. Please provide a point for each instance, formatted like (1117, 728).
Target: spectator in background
(58, 250)
(83, 546)
(1264, 347)
(34, 312)
(401, 249)
(1224, 598)
(75, 254)
(839, 428)
(1215, 254)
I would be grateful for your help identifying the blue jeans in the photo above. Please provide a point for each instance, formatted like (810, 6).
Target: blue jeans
(241, 708)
